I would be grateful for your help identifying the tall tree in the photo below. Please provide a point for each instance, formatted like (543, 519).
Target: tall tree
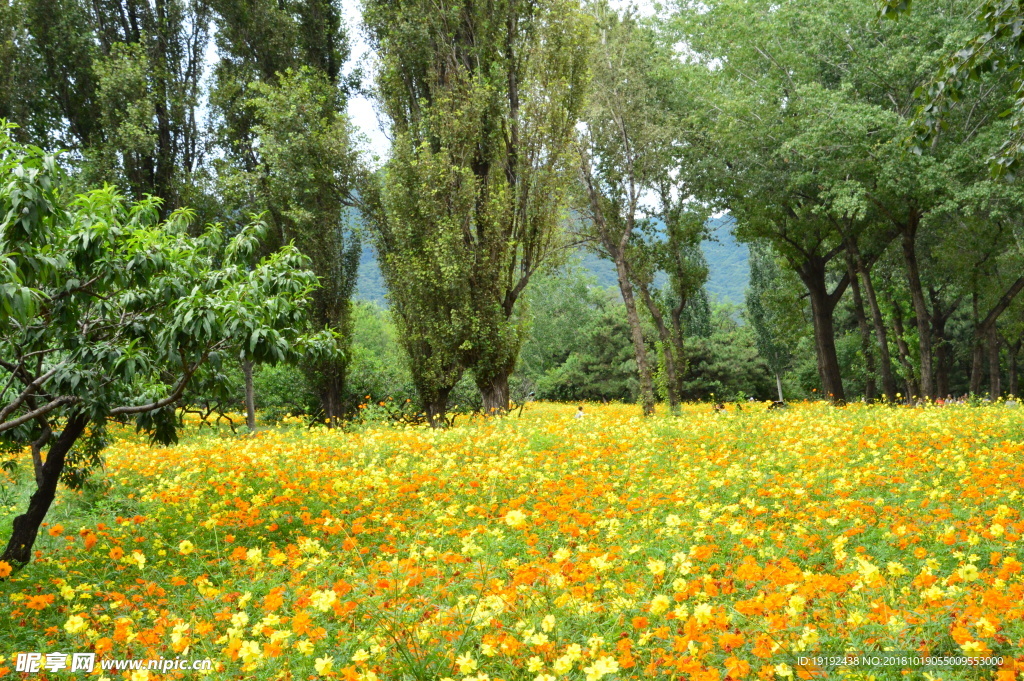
(279, 98)
(767, 312)
(310, 166)
(494, 90)
(125, 81)
(634, 131)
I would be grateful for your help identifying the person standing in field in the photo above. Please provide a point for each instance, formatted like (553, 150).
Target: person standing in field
(579, 412)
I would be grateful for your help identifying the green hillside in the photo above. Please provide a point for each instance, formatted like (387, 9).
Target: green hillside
(727, 262)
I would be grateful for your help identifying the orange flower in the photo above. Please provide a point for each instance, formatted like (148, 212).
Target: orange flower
(56, 530)
(117, 553)
(38, 602)
(736, 668)
(5, 569)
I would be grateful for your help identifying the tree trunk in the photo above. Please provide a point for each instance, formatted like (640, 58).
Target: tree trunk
(920, 308)
(637, 334)
(995, 389)
(437, 408)
(1013, 351)
(984, 328)
(881, 336)
(494, 394)
(26, 526)
(870, 390)
(668, 348)
(977, 353)
(250, 396)
(823, 304)
(940, 344)
(330, 398)
(778, 384)
(904, 350)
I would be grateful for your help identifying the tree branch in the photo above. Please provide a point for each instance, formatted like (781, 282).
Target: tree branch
(41, 411)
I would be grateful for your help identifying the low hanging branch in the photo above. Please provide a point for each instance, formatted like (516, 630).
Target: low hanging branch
(153, 297)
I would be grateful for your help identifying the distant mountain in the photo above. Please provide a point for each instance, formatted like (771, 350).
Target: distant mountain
(728, 262)
(729, 269)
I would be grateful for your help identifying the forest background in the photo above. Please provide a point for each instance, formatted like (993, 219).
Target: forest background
(870, 178)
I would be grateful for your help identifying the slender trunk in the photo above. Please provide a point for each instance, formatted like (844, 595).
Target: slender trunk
(904, 350)
(778, 384)
(920, 308)
(668, 350)
(330, 399)
(637, 334)
(940, 344)
(995, 389)
(26, 526)
(616, 242)
(676, 315)
(881, 336)
(982, 331)
(870, 391)
(822, 306)
(1013, 351)
(941, 348)
(250, 396)
(977, 352)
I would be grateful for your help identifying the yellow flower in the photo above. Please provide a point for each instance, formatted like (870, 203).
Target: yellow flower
(601, 667)
(75, 624)
(562, 665)
(324, 665)
(515, 518)
(548, 623)
(323, 600)
(659, 604)
(250, 651)
(534, 664)
(186, 547)
(465, 663)
(968, 572)
(702, 613)
(783, 670)
(304, 646)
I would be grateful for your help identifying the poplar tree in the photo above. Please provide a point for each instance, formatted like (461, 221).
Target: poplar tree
(483, 99)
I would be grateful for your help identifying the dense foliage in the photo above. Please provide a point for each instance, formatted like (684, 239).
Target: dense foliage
(109, 312)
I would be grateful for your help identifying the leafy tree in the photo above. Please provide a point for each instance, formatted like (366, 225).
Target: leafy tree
(483, 100)
(110, 313)
(725, 365)
(676, 252)
(993, 46)
(767, 317)
(309, 168)
(121, 83)
(627, 150)
(279, 97)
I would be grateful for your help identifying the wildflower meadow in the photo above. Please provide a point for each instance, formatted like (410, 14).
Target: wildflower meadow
(702, 546)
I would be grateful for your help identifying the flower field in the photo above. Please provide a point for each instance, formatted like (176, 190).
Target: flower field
(706, 546)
